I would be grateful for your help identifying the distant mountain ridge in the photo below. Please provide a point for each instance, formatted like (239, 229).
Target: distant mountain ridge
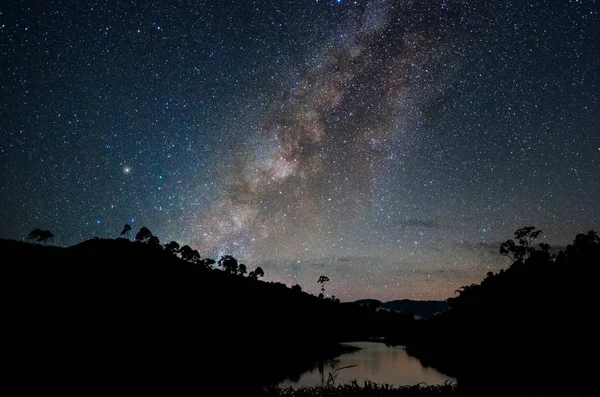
(422, 309)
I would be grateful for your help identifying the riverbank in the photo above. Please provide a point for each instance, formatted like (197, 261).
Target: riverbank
(374, 362)
(372, 389)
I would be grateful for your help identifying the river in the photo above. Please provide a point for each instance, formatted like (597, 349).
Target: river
(375, 362)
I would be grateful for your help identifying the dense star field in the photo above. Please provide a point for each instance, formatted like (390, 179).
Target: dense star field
(390, 145)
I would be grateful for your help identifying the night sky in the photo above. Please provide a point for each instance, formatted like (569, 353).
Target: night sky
(389, 145)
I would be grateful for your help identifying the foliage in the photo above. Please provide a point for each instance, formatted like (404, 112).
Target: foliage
(189, 254)
(322, 280)
(208, 262)
(242, 269)
(41, 236)
(172, 248)
(229, 264)
(523, 248)
(126, 229)
(513, 314)
(143, 235)
(256, 273)
(154, 242)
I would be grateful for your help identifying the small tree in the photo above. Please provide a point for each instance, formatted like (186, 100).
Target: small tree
(242, 269)
(41, 236)
(229, 264)
(126, 230)
(208, 262)
(256, 273)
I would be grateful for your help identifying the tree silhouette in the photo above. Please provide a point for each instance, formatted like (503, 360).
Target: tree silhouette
(126, 230)
(583, 248)
(229, 264)
(522, 249)
(171, 248)
(208, 262)
(143, 235)
(189, 254)
(154, 242)
(242, 269)
(41, 236)
(256, 273)
(334, 299)
(322, 280)
(296, 288)
(588, 239)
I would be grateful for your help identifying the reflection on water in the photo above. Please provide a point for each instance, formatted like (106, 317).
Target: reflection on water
(375, 362)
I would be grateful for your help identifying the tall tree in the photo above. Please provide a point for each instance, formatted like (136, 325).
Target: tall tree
(322, 280)
(521, 249)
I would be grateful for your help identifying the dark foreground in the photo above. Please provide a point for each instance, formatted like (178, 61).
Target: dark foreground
(112, 315)
(372, 389)
(116, 316)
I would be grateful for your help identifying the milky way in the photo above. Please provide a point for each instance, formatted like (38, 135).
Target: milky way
(390, 145)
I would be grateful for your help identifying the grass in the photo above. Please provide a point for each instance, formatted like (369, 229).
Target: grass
(371, 389)
(367, 389)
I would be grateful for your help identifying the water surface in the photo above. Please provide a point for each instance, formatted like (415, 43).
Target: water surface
(375, 362)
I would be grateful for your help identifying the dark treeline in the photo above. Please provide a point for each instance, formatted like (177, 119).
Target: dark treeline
(107, 312)
(529, 327)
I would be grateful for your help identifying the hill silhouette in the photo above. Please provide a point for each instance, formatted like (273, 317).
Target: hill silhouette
(421, 309)
(110, 312)
(116, 313)
(529, 327)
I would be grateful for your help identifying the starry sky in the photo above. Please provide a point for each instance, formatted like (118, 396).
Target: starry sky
(389, 145)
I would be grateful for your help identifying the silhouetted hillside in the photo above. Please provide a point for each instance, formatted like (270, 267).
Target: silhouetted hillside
(421, 309)
(108, 313)
(131, 311)
(374, 303)
(530, 325)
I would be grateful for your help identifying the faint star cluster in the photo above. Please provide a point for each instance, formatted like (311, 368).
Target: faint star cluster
(390, 145)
